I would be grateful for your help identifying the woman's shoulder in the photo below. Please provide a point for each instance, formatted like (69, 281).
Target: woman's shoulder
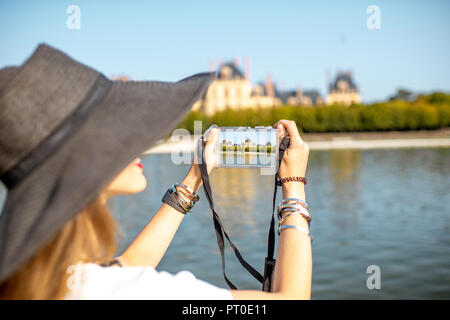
(93, 281)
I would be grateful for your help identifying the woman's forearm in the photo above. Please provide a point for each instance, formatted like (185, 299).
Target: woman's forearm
(293, 269)
(152, 242)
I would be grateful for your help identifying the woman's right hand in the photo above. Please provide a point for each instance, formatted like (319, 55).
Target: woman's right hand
(293, 270)
(295, 159)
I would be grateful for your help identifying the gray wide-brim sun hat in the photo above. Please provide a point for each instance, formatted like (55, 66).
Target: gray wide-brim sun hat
(65, 132)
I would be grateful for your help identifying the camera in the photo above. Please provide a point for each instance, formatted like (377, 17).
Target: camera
(247, 147)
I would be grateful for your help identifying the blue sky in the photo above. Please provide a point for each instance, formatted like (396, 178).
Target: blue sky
(295, 41)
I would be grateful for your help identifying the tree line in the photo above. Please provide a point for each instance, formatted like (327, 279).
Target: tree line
(426, 112)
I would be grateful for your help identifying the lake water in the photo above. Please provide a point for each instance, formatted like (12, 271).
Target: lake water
(389, 208)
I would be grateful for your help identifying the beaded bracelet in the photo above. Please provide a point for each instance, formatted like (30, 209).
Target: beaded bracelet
(292, 179)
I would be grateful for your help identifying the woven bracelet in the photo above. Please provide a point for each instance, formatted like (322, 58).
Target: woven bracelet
(292, 179)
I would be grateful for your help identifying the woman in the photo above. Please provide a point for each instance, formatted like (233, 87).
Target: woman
(76, 260)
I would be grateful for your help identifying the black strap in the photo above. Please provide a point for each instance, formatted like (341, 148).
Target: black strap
(220, 231)
(269, 264)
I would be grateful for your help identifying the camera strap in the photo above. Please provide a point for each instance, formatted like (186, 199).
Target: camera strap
(266, 280)
(269, 263)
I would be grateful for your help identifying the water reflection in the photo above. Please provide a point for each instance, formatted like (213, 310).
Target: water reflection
(231, 159)
(237, 195)
(384, 207)
(344, 177)
(345, 166)
(234, 186)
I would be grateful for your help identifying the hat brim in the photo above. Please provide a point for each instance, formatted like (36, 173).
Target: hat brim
(128, 121)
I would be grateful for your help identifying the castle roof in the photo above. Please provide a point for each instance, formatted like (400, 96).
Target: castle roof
(344, 77)
(285, 95)
(236, 73)
(314, 95)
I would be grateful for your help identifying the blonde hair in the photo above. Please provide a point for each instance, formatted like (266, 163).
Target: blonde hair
(88, 237)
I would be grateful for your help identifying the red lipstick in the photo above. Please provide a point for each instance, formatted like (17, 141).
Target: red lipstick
(140, 165)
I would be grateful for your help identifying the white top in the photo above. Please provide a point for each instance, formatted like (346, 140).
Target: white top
(92, 281)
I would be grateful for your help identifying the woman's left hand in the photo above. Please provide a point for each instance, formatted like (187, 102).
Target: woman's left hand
(194, 178)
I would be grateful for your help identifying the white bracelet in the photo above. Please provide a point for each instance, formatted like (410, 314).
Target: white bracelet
(188, 192)
(287, 200)
(291, 213)
(293, 207)
(302, 230)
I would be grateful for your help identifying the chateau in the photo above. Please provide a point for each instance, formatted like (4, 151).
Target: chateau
(343, 90)
(233, 89)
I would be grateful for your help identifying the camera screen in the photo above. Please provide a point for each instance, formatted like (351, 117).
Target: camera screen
(248, 147)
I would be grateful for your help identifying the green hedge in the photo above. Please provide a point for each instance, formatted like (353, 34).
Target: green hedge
(427, 112)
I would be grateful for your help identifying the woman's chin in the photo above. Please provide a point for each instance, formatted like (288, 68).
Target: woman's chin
(140, 185)
(137, 186)
(130, 181)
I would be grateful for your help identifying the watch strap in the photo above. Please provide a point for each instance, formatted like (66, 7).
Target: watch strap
(170, 199)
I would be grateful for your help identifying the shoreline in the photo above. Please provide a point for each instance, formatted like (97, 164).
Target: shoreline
(346, 140)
